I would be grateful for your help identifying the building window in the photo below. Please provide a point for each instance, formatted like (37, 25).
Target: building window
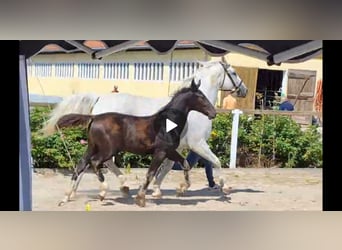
(29, 69)
(88, 70)
(117, 71)
(64, 70)
(43, 69)
(182, 70)
(148, 71)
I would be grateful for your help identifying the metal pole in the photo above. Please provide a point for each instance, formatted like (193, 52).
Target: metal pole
(233, 145)
(25, 167)
(299, 50)
(235, 48)
(116, 48)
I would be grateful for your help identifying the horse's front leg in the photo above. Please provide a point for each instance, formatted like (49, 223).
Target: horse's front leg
(114, 168)
(165, 167)
(158, 158)
(202, 149)
(177, 157)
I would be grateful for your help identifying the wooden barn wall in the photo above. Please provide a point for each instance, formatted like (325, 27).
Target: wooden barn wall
(249, 76)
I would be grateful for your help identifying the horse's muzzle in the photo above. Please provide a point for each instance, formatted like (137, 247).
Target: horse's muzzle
(212, 115)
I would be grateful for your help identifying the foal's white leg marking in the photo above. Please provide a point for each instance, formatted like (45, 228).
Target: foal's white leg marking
(68, 193)
(103, 188)
(165, 167)
(122, 178)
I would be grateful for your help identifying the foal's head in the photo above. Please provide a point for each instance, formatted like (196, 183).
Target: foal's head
(194, 99)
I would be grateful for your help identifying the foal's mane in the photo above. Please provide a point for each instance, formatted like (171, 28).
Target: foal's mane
(175, 94)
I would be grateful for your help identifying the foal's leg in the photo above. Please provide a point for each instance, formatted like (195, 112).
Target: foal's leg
(165, 167)
(81, 167)
(97, 164)
(158, 158)
(113, 167)
(175, 156)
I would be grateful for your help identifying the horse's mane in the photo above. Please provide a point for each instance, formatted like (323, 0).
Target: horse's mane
(185, 83)
(204, 65)
(175, 94)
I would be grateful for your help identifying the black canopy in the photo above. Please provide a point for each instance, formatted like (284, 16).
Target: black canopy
(270, 51)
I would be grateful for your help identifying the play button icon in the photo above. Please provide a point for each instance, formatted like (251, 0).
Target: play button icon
(170, 125)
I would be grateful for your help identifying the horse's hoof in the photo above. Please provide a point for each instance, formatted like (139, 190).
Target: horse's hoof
(101, 197)
(179, 192)
(157, 194)
(227, 190)
(184, 185)
(124, 191)
(140, 201)
(61, 203)
(72, 195)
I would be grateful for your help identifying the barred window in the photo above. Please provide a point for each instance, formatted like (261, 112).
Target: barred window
(88, 70)
(43, 69)
(64, 70)
(117, 71)
(148, 71)
(29, 69)
(181, 70)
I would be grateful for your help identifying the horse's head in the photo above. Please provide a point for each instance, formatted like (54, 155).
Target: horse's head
(199, 102)
(232, 81)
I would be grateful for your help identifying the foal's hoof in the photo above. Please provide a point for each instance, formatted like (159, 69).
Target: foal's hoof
(124, 191)
(179, 192)
(61, 203)
(101, 197)
(140, 201)
(157, 194)
(227, 190)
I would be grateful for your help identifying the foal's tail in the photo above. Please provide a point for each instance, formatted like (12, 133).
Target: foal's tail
(78, 103)
(71, 120)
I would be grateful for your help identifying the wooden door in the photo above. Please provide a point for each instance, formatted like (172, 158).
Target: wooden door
(301, 89)
(301, 92)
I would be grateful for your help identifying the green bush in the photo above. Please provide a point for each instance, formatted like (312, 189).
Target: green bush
(272, 138)
(275, 139)
(53, 151)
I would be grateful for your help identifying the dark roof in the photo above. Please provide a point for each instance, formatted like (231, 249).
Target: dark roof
(271, 51)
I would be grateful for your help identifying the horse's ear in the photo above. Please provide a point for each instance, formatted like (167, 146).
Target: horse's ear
(194, 86)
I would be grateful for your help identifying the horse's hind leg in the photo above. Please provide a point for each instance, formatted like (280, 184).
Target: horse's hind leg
(103, 185)
(81, 167)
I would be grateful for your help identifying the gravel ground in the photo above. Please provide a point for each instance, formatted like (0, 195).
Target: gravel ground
(266, 189)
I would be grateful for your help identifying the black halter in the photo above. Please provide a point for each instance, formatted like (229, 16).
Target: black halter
(236, 87)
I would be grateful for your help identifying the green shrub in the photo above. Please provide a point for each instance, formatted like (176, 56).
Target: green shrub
(272, 138)
(52, 151)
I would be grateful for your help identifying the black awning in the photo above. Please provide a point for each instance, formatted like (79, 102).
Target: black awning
(271, 51)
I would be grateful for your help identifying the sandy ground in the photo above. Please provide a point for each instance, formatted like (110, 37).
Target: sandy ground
(270, 189)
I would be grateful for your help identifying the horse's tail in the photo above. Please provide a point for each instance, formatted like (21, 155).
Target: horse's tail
(71, 120)
(79, 103)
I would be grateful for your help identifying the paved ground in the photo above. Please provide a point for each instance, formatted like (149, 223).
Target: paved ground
(270, 189)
